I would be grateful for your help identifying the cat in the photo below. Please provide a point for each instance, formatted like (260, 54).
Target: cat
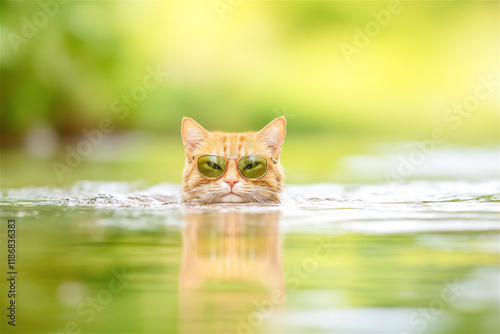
(231, 186)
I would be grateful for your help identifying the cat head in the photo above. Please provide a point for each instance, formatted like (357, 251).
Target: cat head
(231, 186)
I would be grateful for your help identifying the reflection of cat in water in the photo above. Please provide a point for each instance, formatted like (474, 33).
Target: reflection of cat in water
(231, 277)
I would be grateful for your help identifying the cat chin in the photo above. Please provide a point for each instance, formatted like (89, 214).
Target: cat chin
(231, 198)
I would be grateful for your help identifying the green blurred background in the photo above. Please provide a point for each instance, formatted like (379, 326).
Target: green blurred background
(235, 66)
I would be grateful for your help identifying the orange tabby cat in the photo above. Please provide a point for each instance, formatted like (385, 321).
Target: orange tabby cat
(214, 174)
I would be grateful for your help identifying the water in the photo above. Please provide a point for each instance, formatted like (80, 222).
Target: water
(112, 257)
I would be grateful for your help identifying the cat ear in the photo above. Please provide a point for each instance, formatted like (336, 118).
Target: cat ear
(192, 135)
(272, 135)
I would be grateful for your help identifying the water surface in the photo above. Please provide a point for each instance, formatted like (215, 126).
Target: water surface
(112, 257)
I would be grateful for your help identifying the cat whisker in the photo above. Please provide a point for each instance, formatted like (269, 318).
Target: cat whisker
(252, 198)
(200, 188)
(265, 188)
(258, 198)
(268, 192)
(268, 196)
(202, 199)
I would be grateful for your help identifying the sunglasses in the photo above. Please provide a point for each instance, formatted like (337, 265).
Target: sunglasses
(251, 167)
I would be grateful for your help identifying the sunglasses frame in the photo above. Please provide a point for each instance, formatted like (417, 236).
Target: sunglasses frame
(236, 160)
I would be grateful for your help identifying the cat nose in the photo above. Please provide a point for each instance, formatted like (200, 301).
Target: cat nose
(231, 182)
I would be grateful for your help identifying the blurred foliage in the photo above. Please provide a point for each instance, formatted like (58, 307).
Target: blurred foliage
(262, 56)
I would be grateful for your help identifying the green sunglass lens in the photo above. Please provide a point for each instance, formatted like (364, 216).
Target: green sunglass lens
(211, 166)
(253, 167)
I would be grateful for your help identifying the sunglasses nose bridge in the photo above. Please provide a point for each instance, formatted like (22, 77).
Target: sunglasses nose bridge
(231, 172)
(231, 165)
